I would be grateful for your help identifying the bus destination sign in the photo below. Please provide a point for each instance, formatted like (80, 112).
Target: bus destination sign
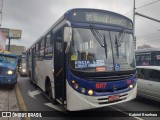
(104, 18)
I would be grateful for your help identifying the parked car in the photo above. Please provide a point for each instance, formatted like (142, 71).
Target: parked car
(149, 82)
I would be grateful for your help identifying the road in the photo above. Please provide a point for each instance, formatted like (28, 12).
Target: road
(31, 98)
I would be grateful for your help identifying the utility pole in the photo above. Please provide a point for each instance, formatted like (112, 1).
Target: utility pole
(134, 37)
(9, 43)
(134, 9)
(1, 6)
(136, 13)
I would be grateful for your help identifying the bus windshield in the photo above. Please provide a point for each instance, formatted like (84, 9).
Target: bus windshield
(88, 55)
(8, 59)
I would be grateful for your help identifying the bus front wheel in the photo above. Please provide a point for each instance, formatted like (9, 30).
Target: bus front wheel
(49, 93)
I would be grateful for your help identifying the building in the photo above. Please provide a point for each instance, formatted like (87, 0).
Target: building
(134, 43)
(2, 41)
(16, 49)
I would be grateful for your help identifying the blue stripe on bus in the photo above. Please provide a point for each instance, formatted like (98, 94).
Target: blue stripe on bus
(87, 84)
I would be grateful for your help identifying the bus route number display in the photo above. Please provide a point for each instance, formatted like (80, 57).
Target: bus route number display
(101, 17)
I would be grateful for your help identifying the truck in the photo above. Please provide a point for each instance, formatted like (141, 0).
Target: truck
(8, 68)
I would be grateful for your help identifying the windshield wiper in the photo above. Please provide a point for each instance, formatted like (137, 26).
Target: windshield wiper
(101, 39)
(119, 40)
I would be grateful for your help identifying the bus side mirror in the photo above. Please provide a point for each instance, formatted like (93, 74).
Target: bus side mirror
(67, 34)
(67, 37)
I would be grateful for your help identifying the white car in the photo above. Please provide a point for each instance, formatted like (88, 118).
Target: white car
(149, 82)
(22, 69)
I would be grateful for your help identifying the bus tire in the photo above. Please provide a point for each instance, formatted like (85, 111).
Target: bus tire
(49, 92)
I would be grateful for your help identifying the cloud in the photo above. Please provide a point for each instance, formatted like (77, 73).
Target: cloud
(34, 17)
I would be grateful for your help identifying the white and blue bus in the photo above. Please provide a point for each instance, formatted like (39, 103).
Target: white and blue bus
(85, 60)
(147, 57)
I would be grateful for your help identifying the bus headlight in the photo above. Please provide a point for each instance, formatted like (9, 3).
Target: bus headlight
(131, 86)
(73, 81)
(81, 89)
(90, 92)
(10, 72)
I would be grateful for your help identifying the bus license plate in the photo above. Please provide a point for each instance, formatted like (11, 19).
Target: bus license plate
(113, 98)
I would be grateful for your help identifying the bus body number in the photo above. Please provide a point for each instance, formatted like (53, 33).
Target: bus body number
(101, 85)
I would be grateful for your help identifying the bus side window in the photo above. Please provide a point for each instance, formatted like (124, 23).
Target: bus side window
(142, 58)
(42, 49)
(154, 75)
(137, 57)
(37, 51)
(48, 47)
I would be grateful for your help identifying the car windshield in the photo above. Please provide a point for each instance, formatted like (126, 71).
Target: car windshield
(8, 59)
(90, 53)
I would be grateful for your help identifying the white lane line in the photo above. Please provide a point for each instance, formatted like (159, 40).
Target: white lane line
(126, 113)
(34, 93)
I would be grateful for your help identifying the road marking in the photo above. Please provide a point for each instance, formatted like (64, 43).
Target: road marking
(33, 93)
(126, 113)
(56, 107)
(21, 101)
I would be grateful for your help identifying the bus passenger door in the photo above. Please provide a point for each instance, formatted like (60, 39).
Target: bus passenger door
(59, 69)
(34, 66)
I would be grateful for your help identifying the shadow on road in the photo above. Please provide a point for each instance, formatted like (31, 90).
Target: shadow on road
(148, 101)
(6, 87)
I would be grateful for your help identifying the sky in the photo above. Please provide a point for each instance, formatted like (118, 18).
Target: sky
(34, 17)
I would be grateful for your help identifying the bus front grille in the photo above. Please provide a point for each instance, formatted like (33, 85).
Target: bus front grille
(102, 101)
(111, 90)
(111, 78)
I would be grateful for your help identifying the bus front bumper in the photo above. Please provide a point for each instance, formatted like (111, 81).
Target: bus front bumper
(77, 101)
(8, 79)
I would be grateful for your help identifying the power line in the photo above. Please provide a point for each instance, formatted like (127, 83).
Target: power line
(142, 6)
(128, 12)
(151, 24)
(150, 41)
(148, 4)
(147, 35)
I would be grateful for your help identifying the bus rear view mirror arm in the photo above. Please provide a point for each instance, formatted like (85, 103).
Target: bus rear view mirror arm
(67, 47)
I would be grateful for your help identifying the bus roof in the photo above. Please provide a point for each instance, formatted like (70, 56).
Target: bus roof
(147, 50)
(67, 17)
(95, 10)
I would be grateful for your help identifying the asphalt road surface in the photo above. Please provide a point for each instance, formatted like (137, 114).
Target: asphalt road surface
(31, 98)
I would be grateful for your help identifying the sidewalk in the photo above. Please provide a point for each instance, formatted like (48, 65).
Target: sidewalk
(8, 101)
